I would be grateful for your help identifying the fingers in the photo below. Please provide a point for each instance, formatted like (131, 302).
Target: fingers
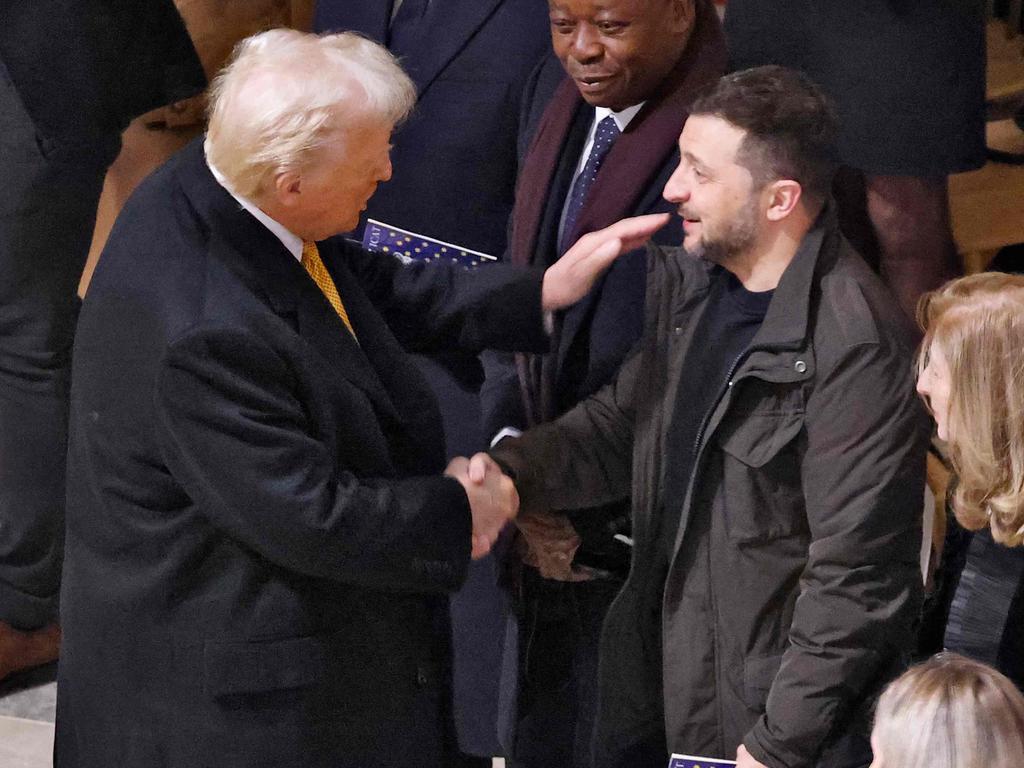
(629, 234)
(552, 543)
(493, 498)
(481, 547)
(493, 501)
(602, 257)
(554, 561)
(480, 465)
(457, 468)
(635, 230)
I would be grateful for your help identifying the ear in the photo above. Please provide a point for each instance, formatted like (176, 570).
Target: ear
(287, 188)
(783, 197)
(682, 15)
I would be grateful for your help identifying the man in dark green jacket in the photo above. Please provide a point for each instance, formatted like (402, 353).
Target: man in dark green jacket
(768, 432)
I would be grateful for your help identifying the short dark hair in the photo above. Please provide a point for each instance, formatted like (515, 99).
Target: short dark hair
(791, 126)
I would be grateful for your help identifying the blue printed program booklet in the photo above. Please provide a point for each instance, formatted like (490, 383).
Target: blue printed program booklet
(409, 246)
(690, 761)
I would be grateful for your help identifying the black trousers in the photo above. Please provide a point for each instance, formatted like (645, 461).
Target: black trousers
(559, 633)
(47, 212)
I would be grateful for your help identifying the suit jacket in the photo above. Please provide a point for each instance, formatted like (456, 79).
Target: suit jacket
(259, 538)
(87, 67)
(455, 159)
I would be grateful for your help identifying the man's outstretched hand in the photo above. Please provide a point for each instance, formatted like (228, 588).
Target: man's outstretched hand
(493, 499)
(569, 279)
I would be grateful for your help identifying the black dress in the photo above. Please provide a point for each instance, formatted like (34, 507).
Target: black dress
(986, 616)
(907, 76)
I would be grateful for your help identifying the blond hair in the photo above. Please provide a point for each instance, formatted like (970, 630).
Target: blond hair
(286, 94)
(950, 712)
(977, 322)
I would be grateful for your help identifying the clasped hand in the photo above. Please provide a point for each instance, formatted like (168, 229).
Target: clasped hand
(493, 499)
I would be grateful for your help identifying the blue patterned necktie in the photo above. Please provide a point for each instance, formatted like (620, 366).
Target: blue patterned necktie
(405, 26)
(606, 134)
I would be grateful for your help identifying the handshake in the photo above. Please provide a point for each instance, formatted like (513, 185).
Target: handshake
(493, 499)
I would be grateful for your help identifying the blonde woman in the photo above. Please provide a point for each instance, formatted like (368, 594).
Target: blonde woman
(971, 373)
(949, 712)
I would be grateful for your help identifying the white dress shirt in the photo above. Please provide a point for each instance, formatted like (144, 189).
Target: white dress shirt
(622, 119)
(288, 239)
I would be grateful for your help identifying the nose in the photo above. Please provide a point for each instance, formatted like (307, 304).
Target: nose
(922, 384)
(385, 174)
(586, 45)
(677, 188)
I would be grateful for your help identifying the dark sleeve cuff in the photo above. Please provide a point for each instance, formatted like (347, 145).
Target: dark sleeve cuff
(761, 747)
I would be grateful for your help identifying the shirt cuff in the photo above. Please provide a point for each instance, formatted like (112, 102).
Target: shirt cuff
(507, 431)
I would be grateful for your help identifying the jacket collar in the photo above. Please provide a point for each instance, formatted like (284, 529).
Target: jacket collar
(782, 349)
(248, 248)
(785, 324)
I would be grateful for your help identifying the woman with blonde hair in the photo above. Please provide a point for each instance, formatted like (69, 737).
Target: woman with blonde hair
(971, 374)
(949, 712)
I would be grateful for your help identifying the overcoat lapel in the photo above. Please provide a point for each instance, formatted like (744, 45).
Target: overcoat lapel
(262, 263)
(542, 161)
(411, 403)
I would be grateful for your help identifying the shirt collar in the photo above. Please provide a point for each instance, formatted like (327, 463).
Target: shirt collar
(292, 242)
(622, 118)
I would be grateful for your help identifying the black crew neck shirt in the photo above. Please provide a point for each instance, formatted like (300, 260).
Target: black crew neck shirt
(724, 332)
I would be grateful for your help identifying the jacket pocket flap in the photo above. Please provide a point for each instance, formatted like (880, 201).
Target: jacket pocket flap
(231, 668)
(756, 438)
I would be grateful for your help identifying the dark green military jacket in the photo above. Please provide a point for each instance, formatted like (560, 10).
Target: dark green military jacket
(787, 594)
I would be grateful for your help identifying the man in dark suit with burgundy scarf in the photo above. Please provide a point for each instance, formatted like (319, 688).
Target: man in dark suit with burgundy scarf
(603, 146)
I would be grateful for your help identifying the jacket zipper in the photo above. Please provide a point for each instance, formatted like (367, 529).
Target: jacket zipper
(707, 416)
(707, 554)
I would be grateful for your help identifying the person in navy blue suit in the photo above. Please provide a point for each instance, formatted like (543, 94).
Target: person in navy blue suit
(455, 170)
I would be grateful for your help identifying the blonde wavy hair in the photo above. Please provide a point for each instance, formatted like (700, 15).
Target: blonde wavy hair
(285, 94)
(977, 322)
(949, 712)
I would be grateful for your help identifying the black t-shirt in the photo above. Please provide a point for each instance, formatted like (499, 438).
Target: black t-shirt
(726, 328)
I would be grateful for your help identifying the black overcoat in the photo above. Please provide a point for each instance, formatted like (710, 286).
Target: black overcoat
(259, 538)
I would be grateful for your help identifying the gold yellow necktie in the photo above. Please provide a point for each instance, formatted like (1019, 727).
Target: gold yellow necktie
(315, 266)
